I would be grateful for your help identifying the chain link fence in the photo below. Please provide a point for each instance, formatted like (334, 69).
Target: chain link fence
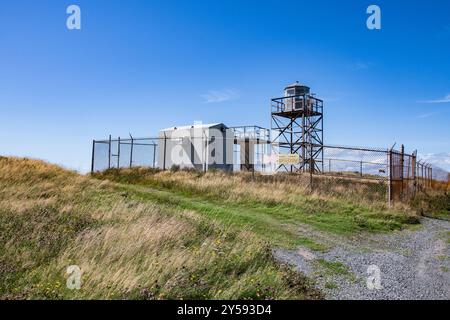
(353, 172)
(377, 173)
(124, 153)
(374, 174)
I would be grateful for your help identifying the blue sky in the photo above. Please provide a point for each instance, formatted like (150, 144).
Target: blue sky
(137, 66)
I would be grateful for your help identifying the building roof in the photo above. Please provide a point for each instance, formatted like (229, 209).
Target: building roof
(296, 84)
(196, 126)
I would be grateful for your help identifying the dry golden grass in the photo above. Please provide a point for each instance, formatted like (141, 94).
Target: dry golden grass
(153, 235)
(441, 185)
(272, 206)
(51, 218)
(236, 186)
(287, 189)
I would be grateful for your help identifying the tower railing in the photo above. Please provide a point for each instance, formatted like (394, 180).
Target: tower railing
(301, 103)
(252, 132)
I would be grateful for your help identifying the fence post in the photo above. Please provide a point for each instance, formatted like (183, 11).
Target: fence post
(417, 176)
(424, 176)
(402, 171)
(154, 155)
(414, 172)
(93, 156)
(205, 151)
(118, 153)
(421, 176)
(431, 177)
(428, 176)
(165, 148)
(361, 169)
(255, 161)
(131, 151)
(311, 167)
(390, 177)
(109, 152)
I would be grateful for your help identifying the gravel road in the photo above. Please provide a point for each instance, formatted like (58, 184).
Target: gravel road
(413, 264)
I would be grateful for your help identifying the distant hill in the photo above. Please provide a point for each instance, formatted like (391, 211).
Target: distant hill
(440, 163)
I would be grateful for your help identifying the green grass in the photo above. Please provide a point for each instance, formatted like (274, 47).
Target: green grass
(150, 235)
(128, 245)
(281, 217)
(333, 267)
(264, 221)
(435, 204)
(331, 285)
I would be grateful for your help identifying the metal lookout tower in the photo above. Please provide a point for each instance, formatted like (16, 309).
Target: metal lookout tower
(297, 128)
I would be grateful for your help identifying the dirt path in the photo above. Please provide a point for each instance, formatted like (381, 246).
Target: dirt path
(413, 264)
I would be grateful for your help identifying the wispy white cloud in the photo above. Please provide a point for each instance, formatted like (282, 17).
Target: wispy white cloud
(360, 65)
(427, 115)
(446, 99)
(215, 96)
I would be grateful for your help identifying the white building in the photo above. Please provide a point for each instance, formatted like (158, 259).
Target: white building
(200, 146)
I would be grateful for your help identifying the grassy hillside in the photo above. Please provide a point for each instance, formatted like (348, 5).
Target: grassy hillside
(273, 206)
(434, 204)
(155, 235)
(126, 247)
